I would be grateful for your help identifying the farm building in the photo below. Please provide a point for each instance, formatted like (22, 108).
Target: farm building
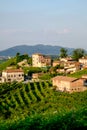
(68, 84)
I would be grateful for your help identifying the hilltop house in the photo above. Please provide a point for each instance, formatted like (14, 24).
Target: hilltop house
(36, 76)
(69, 66)
(72, 66)
(11, 75)
(68, 84)
(23, 63)
(66, 59)
(83, 61)
(39, 60)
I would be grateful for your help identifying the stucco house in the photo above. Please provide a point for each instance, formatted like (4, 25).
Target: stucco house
(72, 66)
(68, 84)
(83, 61)
(11, 75)
(39, 60)
(55, 63)
(23, 63)
(36, 76)
(66, 59)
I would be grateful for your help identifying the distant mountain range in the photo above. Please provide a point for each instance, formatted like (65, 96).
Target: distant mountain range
(43, 49)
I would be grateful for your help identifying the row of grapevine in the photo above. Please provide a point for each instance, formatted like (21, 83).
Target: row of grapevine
(37, 93)
(23, 96)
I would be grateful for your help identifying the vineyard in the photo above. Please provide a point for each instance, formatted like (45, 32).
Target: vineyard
(19, 97)
(37, 101)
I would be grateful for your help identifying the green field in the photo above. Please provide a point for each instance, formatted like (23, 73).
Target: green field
(37, 106)
(79, 73)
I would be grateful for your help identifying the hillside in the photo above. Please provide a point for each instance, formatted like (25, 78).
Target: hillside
(37, 106)
(44, 49)
(7, 63)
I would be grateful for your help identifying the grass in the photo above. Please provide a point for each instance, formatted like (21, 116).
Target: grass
(79, 73)
(7, 63)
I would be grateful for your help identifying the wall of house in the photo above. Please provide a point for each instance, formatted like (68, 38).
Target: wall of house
(77, 85)
(62, 85)
(55, 64)
(14, 76)
(83, 61)
(40, 61)
(36, 60)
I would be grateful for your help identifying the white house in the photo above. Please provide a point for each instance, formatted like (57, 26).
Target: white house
(11, 75)
(39, 60)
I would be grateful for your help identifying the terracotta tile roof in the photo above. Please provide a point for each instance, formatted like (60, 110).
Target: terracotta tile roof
(64, 78)
(13, 70)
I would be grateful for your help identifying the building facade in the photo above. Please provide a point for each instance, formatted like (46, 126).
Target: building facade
(83, 61)
(39, 60)
(11, 75)
(68, 84)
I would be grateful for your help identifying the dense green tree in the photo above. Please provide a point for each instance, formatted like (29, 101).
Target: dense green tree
(30, 60)
(63, 53)
(78, 53)
(17, 57)
(17, 54)
(21, 57)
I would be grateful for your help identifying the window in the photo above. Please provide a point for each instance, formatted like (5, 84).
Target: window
(9, 79)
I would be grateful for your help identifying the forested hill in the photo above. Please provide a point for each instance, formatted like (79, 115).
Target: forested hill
(44, 49)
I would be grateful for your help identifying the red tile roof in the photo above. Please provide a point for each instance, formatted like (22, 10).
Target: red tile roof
(64, 78)
(13, 70)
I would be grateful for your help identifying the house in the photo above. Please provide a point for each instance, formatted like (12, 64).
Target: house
(85, 79)
(72, 66)
(35, 76)
(11, 75)
(23, 63)
(66, 59)
(39, 60)
(68, 84)
(55, 63)
(83, 61)
(60, 70)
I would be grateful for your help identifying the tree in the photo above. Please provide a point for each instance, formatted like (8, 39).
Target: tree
(63, 52)
(78, 53)
(17, 57)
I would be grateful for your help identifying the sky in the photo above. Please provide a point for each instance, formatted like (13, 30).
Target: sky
(49, 22)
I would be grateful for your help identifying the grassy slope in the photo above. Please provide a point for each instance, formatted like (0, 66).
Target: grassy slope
(79, 73)
(7, 63)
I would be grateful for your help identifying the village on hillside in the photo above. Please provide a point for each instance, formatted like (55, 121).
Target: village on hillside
(58, 68)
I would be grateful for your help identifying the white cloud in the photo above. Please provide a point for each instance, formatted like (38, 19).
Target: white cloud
(57, 32)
